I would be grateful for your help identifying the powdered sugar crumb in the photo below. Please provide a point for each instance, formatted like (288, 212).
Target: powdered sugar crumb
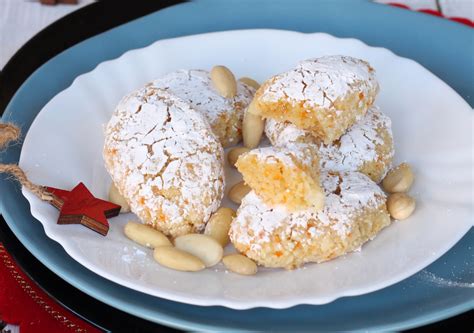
(432, 278)
(132, 254)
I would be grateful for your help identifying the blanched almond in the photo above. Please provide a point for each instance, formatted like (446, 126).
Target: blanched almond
(116, 198)
(238, 192)
(177, 259)
(224, 81)
(240, 264)
(204, 247)
(219, 224)
(145, 235)
(400, 205)
(250, 82)
(234, 154)
(252, 127)
(398, 179)
(253, 108)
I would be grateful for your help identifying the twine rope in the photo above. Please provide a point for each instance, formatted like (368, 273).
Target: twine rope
(8, 134)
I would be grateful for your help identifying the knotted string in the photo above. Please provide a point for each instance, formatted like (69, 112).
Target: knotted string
(8, 134)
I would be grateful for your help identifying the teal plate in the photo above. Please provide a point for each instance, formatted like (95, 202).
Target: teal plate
(443, 289)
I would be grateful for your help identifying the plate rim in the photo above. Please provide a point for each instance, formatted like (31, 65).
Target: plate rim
(240, 305)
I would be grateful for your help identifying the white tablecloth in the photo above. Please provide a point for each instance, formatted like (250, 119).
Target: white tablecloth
(22, 19)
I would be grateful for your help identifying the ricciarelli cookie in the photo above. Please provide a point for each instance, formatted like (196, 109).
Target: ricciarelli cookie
(324, 95)
(224, 114)
(366, 147)
(286, 175)
(354, 213)
(165, 160)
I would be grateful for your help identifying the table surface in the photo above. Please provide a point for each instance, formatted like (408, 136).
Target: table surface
(77, 301)
(20, 20)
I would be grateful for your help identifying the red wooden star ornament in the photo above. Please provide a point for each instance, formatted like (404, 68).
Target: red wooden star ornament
(79, 206)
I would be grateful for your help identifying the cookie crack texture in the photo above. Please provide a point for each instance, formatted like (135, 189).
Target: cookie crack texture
(275, 237)
(223, 114)
(165, 161)
(367, 146)
(325, 95)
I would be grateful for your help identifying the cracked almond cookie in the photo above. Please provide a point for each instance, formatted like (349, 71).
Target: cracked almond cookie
(165, 160)
(323, 95)
(367, 146)
(224, 114)
(285, 175)
(354, 212)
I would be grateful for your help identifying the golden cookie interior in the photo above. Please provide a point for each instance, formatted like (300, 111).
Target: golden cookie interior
(287, 175)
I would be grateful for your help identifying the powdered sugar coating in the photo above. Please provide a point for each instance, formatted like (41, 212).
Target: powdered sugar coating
(281, 133)
(272, 235)
(165, 160)
(358, 146)
(324, 96)
(292, 155)
(346, 193)
(319, 82)
(224, 114)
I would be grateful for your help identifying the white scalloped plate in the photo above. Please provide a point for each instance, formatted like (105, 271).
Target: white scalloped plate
(432, 126)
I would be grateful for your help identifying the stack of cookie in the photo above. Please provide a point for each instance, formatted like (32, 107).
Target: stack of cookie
(314, 194)
(164, 148)
(310, 196)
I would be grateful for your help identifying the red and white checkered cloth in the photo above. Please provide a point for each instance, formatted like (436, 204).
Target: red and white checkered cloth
(25, 308)
(461, 11)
